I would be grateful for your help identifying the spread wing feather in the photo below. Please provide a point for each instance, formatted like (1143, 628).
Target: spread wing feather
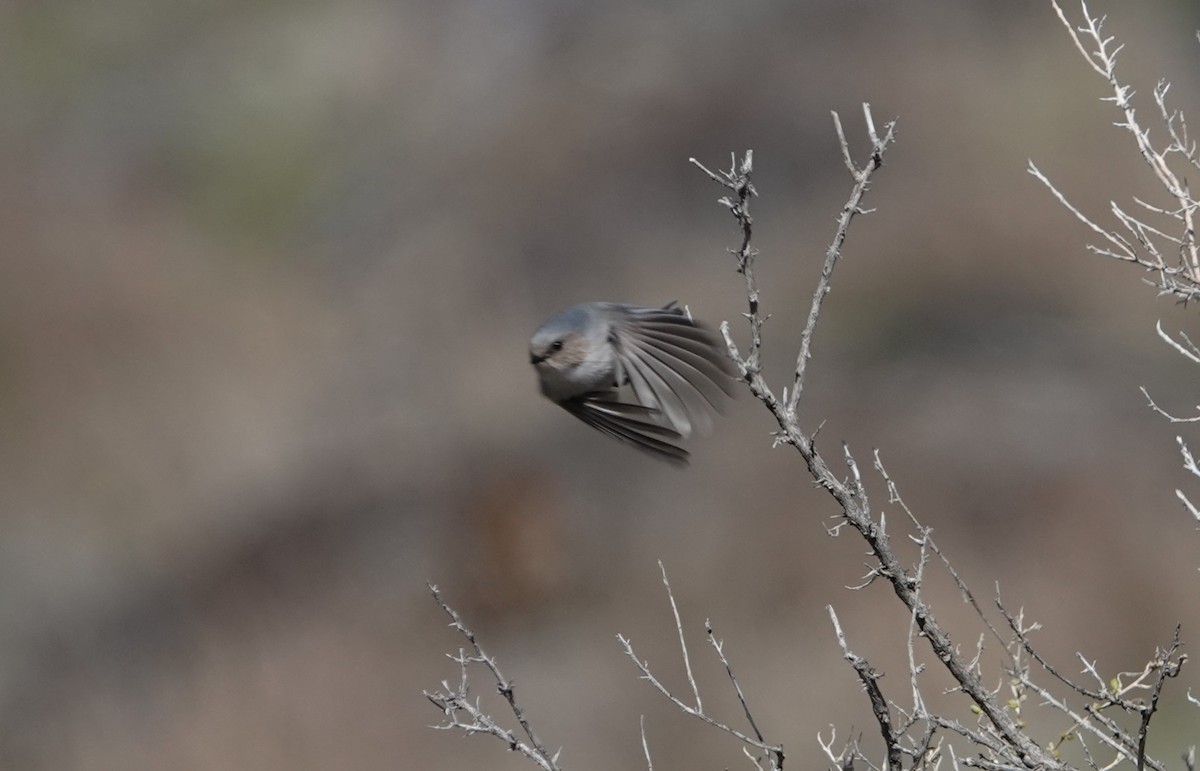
(672, 365)
(635, 424)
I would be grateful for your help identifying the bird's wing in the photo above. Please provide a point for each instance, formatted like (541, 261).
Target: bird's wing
(672, 364)
(642, 427)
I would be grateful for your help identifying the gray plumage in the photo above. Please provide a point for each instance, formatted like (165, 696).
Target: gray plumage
(647, 376)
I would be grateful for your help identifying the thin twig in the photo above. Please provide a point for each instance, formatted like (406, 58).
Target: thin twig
(687, 662)
(773, 751)
(870, 680)
(648, 676)
(862, 179)
(452, 701)
(854, 508)
(646, 745)
(737, 180)
(1101, 55)
(1165, 668)
(719, 647)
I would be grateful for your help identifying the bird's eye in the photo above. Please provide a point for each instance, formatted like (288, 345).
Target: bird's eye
(556, 345)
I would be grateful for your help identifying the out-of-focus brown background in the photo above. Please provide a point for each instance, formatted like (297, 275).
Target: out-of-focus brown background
(267, 278)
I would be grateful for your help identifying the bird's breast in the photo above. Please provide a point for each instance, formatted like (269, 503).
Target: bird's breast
(584, 378)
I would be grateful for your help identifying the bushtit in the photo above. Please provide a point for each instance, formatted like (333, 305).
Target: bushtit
(590, 356)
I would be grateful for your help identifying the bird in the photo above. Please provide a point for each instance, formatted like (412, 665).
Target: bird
(650, 377)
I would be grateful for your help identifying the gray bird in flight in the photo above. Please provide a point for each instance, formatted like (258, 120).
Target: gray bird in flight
(647, 376)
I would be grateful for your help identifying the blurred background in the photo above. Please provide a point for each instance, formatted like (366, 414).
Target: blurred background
(268, 277)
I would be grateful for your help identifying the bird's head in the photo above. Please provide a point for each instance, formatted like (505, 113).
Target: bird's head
(561, 344)
(557, 349)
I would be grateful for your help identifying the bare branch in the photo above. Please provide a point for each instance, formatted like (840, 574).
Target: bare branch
(1154, 406)
(1183, 279)
(870, 680)
(855, 508)
(646, 745)
(1167, 663)
(687, 662)
(456, 701)
(1190, 351)
(719, 647)
(862, 179)
(737, 180)
(1126, 250)
(773, 751)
